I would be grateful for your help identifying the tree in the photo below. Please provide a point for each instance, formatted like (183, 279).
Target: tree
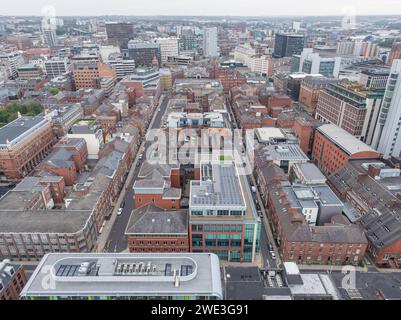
(53, 91)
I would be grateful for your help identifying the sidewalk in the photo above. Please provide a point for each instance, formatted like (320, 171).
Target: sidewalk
(328, 268)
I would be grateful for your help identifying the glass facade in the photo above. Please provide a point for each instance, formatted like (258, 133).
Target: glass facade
(230, 242)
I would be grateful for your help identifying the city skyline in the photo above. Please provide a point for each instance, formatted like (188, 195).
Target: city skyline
(257, 8)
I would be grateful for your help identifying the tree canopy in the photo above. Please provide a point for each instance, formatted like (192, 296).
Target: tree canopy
(10, 112)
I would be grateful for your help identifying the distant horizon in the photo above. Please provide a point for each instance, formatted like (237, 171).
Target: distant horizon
(205, 16)
(204, 8)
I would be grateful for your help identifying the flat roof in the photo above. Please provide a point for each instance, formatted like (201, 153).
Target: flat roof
(310, 171)
(285, 151)
(266, 134)
(343, 139)
(219, 186)
(126, 274)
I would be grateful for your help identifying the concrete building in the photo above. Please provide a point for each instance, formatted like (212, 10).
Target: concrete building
(122, 67)
(312, 63)
(24, 142)
(352, 107)
(50, 37)
(334, 147)
(386, 138)
(168, 48)
(91, 133)
(286, 45)
(56, 67)
(195, 120)
(223, 218)
(260, 64)
(173, 276)
(12, 60)
(12, 280)
(188, 43)
(119, 34)
(210, 42)
(365, 49)
(375, 78)
(144, 54)
(29, 72)
(252, 283)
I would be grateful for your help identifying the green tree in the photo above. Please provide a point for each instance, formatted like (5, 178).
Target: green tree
(53, 91)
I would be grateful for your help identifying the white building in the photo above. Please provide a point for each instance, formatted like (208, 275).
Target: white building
(312, 63)
(247, 55)
(168, 48)
(123, 67)
(93, 136)
(210, 45)
(387, 138)
(12, 60)
(50, 37)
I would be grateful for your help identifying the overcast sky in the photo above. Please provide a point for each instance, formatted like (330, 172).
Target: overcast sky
(202, 7)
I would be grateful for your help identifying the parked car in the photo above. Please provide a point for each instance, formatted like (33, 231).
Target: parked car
(273, 255)
(270, 247)
(120, 211)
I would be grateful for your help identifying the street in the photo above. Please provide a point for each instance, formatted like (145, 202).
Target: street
(117, 239)
(266, 235)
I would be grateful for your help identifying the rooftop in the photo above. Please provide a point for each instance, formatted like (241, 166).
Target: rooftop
(219, 186)
(111, 274)
(154, 221)
(346, 141)
(19, 127)
(283, 152)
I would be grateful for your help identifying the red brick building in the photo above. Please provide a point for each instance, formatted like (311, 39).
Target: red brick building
(87, 75)
(67, 159)
(370, 188)
(310, 91)
(24, 142)
(12, 280)
(303, 131)
(230, 78)
(151, 229)
(78, 148)
(277, 103)
(337, 242)
(333, 147)
(395, 53)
